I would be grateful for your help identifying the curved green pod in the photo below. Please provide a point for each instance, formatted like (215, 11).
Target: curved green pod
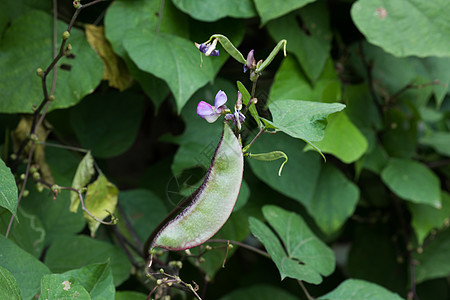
(212, 203)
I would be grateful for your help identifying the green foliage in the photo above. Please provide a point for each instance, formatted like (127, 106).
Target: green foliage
(305, 257)
(364, 83)
(8, 189)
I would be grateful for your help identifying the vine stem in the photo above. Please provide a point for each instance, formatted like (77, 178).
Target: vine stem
(246, 246)
(305, 290)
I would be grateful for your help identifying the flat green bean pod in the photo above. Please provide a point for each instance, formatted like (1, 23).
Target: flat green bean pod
(212, 203)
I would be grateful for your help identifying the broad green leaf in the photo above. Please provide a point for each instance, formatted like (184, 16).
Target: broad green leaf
(360, 107)
(94, 281)
(70, 253)
(17, 8)
(4, 19)
(55, 216)
(27, 45)
(412, 181)
(437, 68)
(59, 286)
(318, 187)
(108, 124)
(433, 261)
(29, 234)
(26, 269)
(425, 218)
(396, 25)
(311, 49)
(383, 267)
(143, 209)
(439, 141)
(8, 189)
(291, 83)
(82, 177)
(356, 289)
(304, 120)
(129, 295)
(268, 11)
(305, 257)
(343, 139)
(8, 286)
(209, 11)
(123, 15)
(259, 292)
(101, 201)
(334, 201)
(173, 59)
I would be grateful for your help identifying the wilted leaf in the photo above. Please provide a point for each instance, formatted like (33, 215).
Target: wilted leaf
(22, 132)
(101, 201)
(84, 173)
(115, 69)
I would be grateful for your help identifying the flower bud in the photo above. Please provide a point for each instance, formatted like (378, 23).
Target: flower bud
(51, 98)
(251, 62)
(238, 105)
(76, 4)
(65, 35)
(40, 72)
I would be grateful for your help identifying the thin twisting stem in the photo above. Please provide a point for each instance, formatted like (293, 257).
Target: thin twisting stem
(305, 290)
(248, 247)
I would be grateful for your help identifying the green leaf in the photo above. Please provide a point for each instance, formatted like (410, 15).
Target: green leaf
(343, 139)
(26, 46)
(259, 292)
(29, 234)
(291, 83)
(17, 8)
(94, 281)
(356, 289)
(412, 181)
(396, 25)
(8, 286)
(433, 261)
(173, 59)
(213, 10)
(69, 253)
(305, 257)
(124, 15)
(271, 156)
(59, 286)
(268, 11)
(84, 173)
(304, 120)
(318, 187)
(437, 68)
(108, 124)
(101, 201)
(361, 108)
(425, 218)
(8, 189)
(129, 295)
(26, 269)
(311, 50)
(143, 209)
(439, 141)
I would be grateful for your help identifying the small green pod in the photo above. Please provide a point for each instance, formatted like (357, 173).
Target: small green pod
(212, 203)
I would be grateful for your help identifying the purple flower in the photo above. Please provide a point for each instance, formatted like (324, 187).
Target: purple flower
(211, 113)
(208, 48)
(251, 62)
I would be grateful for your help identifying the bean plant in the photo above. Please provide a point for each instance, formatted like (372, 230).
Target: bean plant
(247, 149)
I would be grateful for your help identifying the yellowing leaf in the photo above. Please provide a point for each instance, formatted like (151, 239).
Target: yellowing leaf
(115, 70)
(101, 201)
(21, 133)
(82, 177)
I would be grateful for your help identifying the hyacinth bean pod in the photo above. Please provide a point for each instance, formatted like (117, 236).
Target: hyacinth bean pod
(212, 203)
